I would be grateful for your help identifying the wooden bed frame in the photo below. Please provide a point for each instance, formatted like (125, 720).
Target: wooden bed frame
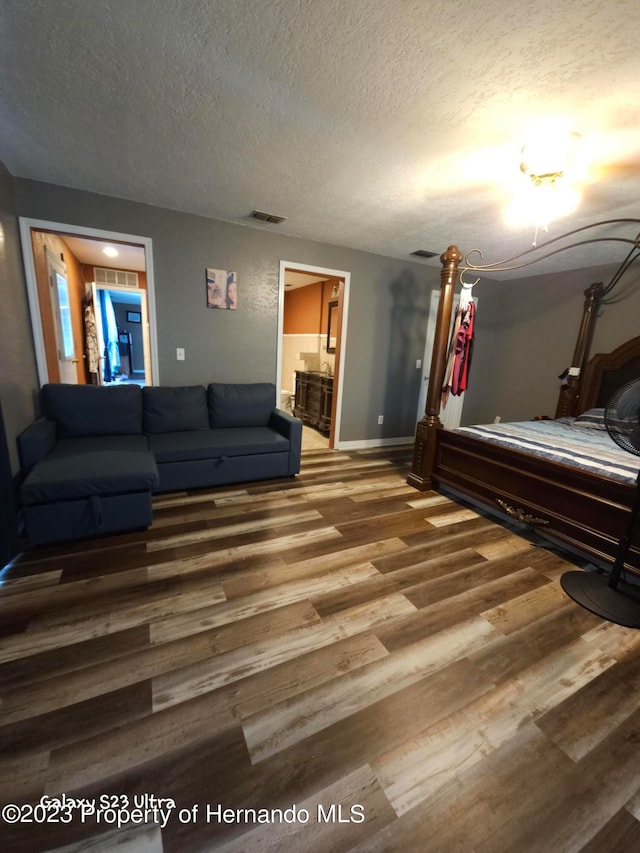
(585, 513)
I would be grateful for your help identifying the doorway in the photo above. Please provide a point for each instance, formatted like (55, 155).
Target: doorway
(314, 344)
(119, 263)
(120, 317)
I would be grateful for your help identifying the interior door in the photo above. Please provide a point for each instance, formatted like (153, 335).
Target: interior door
(451, 414)
(61, 307)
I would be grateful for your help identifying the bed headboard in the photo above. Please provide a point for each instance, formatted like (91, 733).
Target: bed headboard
(606, 372)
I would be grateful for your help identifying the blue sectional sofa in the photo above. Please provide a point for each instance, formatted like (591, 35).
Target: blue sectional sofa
(93, 460)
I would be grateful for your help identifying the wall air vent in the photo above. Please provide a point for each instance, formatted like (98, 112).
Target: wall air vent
(267, 217)
(423, 253)
(120, 277)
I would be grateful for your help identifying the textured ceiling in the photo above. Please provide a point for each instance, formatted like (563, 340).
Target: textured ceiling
(384, 125)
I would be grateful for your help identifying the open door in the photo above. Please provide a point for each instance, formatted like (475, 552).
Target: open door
(63, 328)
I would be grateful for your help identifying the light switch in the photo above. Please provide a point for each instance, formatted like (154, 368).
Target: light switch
(180, 354)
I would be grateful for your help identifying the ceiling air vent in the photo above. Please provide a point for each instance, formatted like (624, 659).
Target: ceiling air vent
(423, 253)
(267, 217)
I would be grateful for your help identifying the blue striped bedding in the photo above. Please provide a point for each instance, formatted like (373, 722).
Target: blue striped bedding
(563, 441)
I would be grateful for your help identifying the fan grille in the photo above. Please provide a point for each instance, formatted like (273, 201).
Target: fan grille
(622, 417)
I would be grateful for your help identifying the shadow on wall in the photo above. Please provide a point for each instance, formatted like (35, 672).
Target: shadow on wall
(406, 343)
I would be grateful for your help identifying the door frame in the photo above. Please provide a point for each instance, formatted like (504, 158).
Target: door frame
(451, 413)
(340, 349)
(144, 310)
(26, 224)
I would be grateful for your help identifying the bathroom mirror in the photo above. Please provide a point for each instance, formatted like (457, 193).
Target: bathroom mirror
(332, 326)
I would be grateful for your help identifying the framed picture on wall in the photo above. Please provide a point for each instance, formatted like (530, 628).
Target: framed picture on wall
(134, 317)
(222, 289)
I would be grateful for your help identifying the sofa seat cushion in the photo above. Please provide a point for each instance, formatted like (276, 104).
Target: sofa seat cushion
(100, 443)
(98, 473)
(216, 443)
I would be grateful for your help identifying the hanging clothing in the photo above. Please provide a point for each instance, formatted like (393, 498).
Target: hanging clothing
(464, 350)
(91, 339)
(456, 375)
(451, 352)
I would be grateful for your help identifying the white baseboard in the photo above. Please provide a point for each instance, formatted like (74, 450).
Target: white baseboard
(374, 442)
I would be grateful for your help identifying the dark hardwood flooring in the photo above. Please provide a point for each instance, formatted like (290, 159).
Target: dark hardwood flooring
(395, 670)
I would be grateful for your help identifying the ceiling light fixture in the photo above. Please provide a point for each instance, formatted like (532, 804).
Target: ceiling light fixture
(549, 162)
(550, 155)
(110, 252)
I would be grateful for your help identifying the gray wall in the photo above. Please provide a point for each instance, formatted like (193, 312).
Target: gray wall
(387, 311)
(526, 328)
(18, 377)
(526, 335)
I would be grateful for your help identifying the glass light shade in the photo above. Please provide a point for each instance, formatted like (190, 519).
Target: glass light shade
(550, 154)
(542, 202)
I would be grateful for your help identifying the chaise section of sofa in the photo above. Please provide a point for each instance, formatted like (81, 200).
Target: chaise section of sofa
(88, 469)
(92, 462)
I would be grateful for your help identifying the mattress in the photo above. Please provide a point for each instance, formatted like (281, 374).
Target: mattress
(567, 441)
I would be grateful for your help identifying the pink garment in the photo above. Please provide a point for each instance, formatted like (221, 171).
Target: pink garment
(460, 349)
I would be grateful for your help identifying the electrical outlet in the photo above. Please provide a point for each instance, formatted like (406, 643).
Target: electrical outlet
(380, 419)
(180, 353)
(497, 419)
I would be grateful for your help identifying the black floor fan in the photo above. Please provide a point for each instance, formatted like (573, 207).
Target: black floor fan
(607, 596)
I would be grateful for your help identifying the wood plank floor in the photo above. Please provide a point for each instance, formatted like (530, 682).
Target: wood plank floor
(365, 666)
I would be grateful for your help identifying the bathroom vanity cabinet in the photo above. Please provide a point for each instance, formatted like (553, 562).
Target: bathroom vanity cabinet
(314, 396)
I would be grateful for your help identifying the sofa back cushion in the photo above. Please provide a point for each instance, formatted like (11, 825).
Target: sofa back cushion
(82, 410)
(240, 405)
(175, 409)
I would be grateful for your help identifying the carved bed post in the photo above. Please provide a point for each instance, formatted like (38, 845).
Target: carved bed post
(425, 442)
(569, 396)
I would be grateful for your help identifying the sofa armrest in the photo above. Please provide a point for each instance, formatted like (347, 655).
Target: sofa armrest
(290, 428)
(35, 442)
